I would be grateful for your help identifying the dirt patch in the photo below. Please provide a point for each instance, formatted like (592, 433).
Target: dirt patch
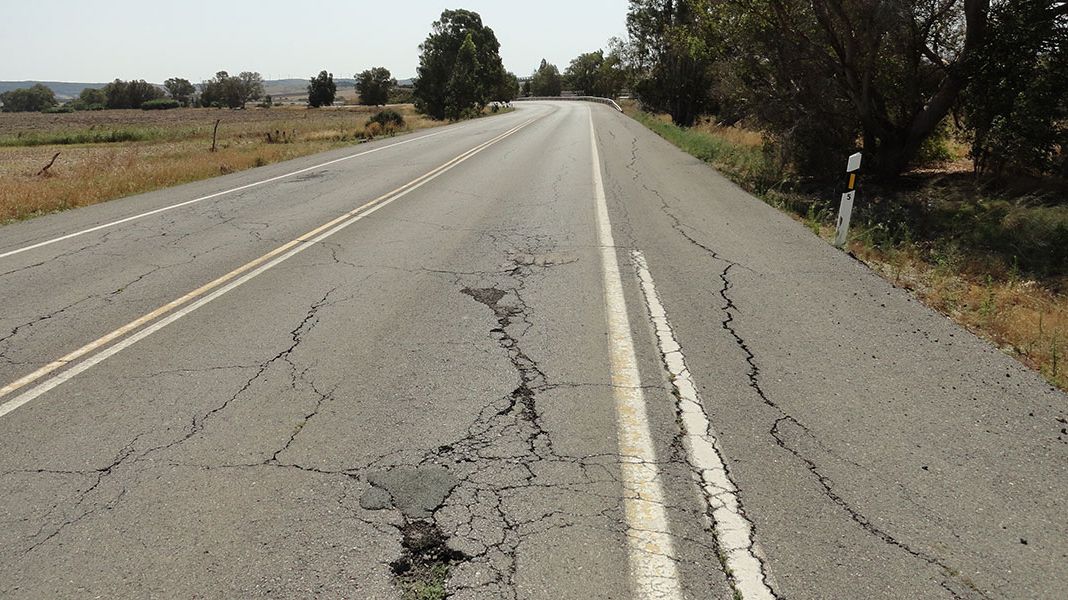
(422, 571)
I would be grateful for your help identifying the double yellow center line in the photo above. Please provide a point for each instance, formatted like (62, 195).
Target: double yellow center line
(91, 354)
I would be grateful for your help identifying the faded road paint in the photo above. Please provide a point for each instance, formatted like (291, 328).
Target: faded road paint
(652, 554)
(734, 532)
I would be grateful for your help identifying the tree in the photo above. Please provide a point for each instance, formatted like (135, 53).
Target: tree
(35, 98)
(437, 62)
(250, 87)
(672, 57)
(506, 89)
(594, 74)
(546, 81)
(232, 91)
(213, 91)
(525, 90)
(180, 89)
(93, 97)
(1017, 102)
(130, 94)
(321, 90)
(374, 86)
(463, 95)
(822, 73)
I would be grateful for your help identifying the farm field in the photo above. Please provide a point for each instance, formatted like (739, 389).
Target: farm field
(114, 153)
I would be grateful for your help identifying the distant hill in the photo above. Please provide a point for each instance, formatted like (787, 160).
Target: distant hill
(289, 87)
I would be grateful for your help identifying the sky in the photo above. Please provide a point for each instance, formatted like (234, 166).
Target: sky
(98, 41)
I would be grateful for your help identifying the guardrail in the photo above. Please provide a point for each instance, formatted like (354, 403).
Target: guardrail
(607, 101)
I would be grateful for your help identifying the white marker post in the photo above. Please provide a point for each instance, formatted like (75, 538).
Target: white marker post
(845, 211)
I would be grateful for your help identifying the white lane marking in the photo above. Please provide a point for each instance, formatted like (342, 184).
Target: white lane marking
(257, 267)
(210, 196)
(733, 530)
(651, 551)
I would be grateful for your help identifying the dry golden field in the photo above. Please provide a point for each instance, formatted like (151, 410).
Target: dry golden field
(113, 153)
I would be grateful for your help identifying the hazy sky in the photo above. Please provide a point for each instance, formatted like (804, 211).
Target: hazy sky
(97, 41)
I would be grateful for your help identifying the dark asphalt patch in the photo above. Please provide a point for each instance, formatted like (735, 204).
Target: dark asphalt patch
(416, 492)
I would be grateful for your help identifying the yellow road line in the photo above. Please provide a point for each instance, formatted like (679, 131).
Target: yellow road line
(282, 252)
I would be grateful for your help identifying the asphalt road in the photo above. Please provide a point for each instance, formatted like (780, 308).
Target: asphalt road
(595, 366)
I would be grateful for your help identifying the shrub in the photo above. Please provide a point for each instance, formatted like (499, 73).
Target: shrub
(1035, 236)
(161, 104)
(62, 108)
(387, 118)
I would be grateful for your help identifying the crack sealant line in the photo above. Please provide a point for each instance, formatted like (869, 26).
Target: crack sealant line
(651, 550)
(733, 530)
(227, 282)
(210, 196)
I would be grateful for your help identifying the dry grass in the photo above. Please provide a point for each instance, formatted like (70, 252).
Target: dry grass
(174, 150)
(1027, 318)
(1021, 316)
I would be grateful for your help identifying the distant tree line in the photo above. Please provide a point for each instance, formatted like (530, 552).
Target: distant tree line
(36, 98)
(460, 73)
(824, 77)
(589, 74)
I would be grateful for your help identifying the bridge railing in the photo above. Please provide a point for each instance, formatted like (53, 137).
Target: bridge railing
(607, 101)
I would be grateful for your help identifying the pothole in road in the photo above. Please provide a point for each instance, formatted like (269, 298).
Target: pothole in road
(422, 571)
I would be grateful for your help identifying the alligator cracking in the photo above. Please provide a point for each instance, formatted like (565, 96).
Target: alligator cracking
(531, 378)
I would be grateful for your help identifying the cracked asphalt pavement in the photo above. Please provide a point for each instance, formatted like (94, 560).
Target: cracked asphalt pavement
(433, 383)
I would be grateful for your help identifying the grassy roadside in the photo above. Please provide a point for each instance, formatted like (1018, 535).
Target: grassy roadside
(105, 155)
(992, 260)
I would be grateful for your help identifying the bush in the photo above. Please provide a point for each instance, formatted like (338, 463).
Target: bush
(55, 110)
(387, 118)
(161, 104)
(1035, 237)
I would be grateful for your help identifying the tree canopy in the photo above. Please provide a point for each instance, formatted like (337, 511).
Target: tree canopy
(233, 91)
(321, 90)
(130, 94)
(546, 81)
(438, 65)
(595, 74)
(180, 89)
(374, 86)
(825, 77)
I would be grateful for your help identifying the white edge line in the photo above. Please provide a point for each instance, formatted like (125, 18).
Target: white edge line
(733, 531)
(210, 196)
(651, 553)
(99, 357)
